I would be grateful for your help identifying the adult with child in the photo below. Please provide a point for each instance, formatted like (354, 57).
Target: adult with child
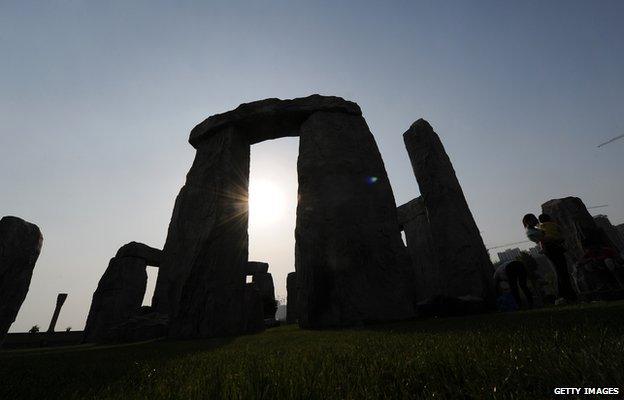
(547, 234)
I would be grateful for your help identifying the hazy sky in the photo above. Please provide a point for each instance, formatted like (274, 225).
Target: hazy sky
(97, 100)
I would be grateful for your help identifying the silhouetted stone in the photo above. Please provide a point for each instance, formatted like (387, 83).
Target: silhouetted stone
(202, 276)
(271, 118)
(151, 255)
(292, 309)
(264, 283)
(20, 245)
(60, 300)
(465, 267)
(144, 324)
(602, 222)
(254, 267)
(576, 224)
(414, 221)
(118, 296)
(351, 264)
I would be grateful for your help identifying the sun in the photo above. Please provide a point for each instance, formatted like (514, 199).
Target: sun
(266, 203)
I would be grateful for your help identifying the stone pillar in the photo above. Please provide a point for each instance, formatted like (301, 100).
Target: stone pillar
(351, 264)
(264, 283)
(576, 224)
(414, 221)
(465, 267)
(60, 300)
(118, 296)
(292, 311)
(201, 282)
(20, 245)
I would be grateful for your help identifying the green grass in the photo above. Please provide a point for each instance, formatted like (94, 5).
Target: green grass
(500, 356)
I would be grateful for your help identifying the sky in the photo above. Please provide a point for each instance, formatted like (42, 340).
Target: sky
(97, 100)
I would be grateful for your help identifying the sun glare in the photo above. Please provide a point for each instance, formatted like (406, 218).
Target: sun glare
(266, 203)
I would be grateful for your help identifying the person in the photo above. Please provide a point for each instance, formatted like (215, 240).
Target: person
(554, 251)
(515, 273)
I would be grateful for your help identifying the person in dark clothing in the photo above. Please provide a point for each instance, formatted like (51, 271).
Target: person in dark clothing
(554, 250)
(515, 273)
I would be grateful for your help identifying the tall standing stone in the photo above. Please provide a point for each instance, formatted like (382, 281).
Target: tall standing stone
(60, 300)
(576, 223)
(292, 308)
(351, 264)
(414, 221)
(20, 246)
(118, 296)
(201, 282)
(465, 267)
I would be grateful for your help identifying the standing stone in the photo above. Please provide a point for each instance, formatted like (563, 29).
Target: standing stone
(576, 223)
(254, 267)
(602, 221)
(60, 300)
(292, 309)
(118, 296)
(351, 264)
(414, 221)
(151, 255)
(264, 283)
(201, 282)
(20, 245)
(465, 268)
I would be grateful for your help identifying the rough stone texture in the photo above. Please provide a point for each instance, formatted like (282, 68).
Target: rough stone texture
(413, 220)
(271, 118)
(20, 245)
(118, 296)
(465, 267)
(264, 283)
(151, 255)
(602, 221)
(292, 309)
(576, 223)
(201, 281)
(144, 324)
(351, 264)
(254, 267)
(60, 300)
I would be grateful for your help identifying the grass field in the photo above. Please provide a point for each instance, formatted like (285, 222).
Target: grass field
(500, 356)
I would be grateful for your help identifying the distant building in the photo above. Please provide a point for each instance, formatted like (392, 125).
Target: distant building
(535, 251)
(509, 254)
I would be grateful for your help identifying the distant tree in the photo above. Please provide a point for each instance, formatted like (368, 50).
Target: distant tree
(68, 329)
(34, 329)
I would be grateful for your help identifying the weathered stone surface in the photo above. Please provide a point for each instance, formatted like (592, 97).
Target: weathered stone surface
(271, 118)
(151, 255)
(254, 267)
(414, 221)
(264, 283)
(201, 281)
(20, 245)
(576, 224)
(465, 267)
(60, 300)
(292, 308)
(143, 324)
(602, 222)
(351, 264)
(118, 296)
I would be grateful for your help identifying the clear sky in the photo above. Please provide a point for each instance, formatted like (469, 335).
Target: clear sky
(97, 100)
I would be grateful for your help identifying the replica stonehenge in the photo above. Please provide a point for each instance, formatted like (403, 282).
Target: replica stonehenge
(351, 264)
